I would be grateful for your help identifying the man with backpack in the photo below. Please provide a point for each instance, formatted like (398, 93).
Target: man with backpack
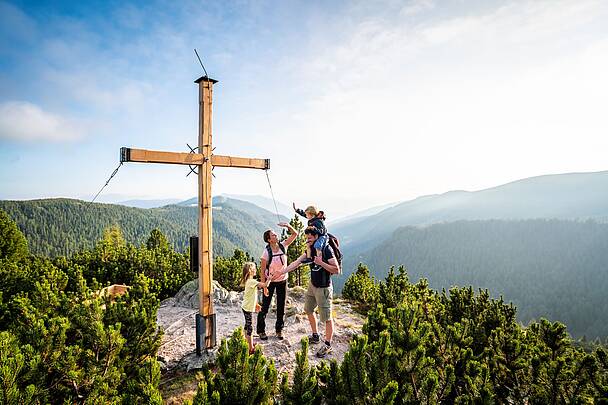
(274, 259)
(320, 289)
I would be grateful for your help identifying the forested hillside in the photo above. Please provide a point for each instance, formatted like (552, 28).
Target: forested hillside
(62, 226)
(550, 268)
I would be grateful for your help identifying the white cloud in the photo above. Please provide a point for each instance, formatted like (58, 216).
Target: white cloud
(520, 22)
(106, 93)
(416, 6)
(467, 100)
(25, 121)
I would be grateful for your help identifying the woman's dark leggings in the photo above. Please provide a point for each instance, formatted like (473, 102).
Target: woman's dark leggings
(281, 288)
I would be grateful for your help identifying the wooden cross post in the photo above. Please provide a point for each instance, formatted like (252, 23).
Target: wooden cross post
(205, 160)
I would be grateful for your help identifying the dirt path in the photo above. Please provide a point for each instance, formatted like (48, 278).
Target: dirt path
(176, 316)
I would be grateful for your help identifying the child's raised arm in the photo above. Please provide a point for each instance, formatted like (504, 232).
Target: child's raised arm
(299, 211)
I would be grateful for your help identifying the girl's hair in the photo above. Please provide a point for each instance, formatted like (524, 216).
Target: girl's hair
(321, 215)
(247, 267)
(311, 209)
(267, 235)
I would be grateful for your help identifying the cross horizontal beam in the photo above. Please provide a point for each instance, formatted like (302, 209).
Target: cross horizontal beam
(181, 158)
(156, 156)
(247, 163)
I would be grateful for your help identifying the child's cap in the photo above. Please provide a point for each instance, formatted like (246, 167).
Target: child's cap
(311, 209)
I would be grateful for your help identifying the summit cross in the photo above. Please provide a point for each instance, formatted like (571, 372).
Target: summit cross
(205, 160)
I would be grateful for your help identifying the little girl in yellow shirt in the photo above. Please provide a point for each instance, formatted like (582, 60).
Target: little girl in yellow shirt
(250, 299)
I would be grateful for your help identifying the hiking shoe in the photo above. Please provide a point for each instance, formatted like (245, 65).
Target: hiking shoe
(263, 336)
(314, 339)
(280, 335)
(324, 351)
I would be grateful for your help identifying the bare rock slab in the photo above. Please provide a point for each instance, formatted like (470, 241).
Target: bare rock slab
(176, 316)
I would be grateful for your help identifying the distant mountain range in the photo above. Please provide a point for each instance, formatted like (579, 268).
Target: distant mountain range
(541, 242)
(361, 214)
(562, 196)
(62, 226)
(260, 201)
(264, 202)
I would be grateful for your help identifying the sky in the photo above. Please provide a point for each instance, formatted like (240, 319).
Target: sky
(356, 104)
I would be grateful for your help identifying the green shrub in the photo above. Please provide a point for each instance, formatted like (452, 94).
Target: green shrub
(240, 378)
(13, 244)
(304, 389)
(228, 270)
(113, 261)
(73, 346)
(361, 288)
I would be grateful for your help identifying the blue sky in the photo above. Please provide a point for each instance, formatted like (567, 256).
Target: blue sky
(356, 103)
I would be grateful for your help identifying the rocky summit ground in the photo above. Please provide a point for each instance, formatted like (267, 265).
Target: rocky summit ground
(177, 318)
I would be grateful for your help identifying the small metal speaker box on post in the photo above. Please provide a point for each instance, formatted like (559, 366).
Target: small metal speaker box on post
(194, 254)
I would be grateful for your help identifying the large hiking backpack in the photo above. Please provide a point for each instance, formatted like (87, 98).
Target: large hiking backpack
(271, 255)
(335, 245)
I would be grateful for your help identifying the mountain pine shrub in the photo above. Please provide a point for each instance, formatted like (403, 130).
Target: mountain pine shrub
(228, 270)
(113, 261)
(304, 389)
(240, 378)
(360, 287)
(13, 244)
(462, 347)
(60, 342)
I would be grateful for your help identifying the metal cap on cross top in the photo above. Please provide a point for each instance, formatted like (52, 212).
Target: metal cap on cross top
(205, 160)
(206, 79)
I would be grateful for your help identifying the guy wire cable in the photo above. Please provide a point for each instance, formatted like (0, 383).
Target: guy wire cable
(107, 182)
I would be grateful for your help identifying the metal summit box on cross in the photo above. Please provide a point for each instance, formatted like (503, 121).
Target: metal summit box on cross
(205, 160)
